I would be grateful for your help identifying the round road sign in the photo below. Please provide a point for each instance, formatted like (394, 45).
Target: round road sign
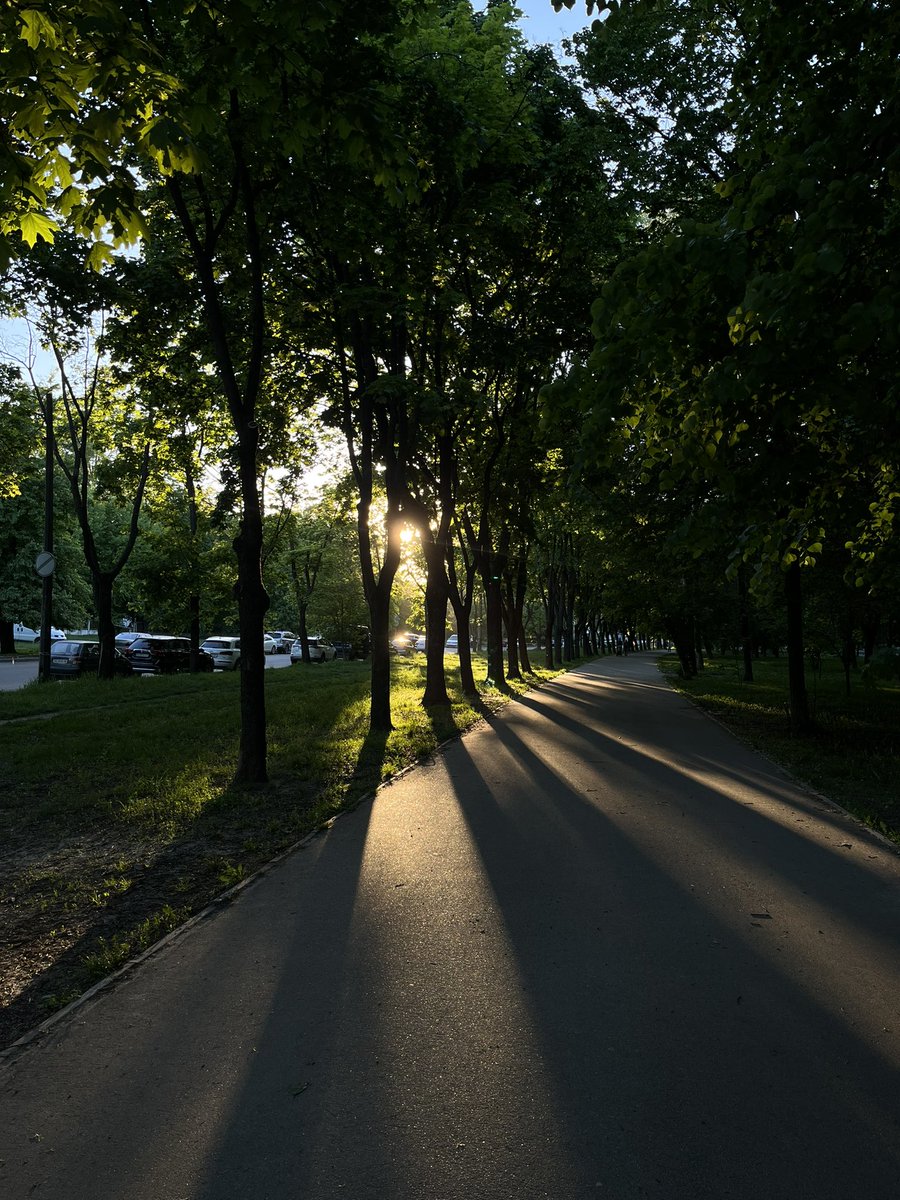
(45, 564)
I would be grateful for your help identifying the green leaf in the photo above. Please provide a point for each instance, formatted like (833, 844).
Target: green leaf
(34, 225)
(37, 29)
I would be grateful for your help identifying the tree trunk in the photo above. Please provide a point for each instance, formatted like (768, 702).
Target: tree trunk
(194, 609)
(746, 632)
(549, 599)
(848, 657)
(464, 650)
(513, 670)
(194, 598)
(378, 597)
(102, 587)
(519, 602)
(461, 601)
(435, 623)
(680, 630)
(871, 619)
(494, 622)
(253, 604)
(799, 704)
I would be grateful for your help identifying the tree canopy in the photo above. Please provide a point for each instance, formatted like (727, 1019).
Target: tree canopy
(614, 340)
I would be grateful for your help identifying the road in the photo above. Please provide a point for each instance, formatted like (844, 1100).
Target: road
(16, 672)
(20, 671)
(596, 948)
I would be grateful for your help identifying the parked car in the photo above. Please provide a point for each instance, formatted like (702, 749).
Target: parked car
(403, 643)
(320, 650)
(269, 644)
(419, 644)
(22, 633)
(451, 646)
(160, 655)
(126, 637)
(124, 642)
(225, 652)
(71, 659)
(283, 639)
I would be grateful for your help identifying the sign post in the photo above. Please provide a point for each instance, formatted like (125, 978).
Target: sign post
(45, 563)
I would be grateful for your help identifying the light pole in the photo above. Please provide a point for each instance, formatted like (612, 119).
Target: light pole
(45, 563)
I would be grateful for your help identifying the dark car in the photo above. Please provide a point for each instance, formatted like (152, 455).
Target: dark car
(70, 659)
(125, 638)
(164, 656)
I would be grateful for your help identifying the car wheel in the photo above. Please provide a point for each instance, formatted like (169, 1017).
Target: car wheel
(237, 665)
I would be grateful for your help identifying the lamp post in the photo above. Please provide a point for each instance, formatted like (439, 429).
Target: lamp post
(45, 564)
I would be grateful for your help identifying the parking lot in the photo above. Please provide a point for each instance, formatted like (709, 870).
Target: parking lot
(16, 672)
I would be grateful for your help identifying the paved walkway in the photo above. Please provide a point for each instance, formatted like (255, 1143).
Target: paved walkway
(598, 949)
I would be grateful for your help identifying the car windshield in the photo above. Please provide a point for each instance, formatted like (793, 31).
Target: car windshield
(219, 644)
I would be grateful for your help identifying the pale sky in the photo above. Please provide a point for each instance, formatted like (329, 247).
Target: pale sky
(541, 24)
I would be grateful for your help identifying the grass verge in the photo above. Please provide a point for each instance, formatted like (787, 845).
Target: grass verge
(118, 819)
(851, 753)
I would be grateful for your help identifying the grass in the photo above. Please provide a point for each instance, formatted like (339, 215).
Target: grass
(118, 819)
(851, 753)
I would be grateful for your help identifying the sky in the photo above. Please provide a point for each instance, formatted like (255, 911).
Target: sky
(541, 24)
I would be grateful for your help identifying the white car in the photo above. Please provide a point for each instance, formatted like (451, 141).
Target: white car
(283, 639)
(225, 652)
(21, 633)
(320, 650)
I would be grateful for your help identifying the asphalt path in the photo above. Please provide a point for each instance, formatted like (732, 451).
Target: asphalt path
(16, 672)
(595, 948)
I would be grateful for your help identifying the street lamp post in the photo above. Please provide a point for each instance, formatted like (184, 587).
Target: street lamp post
(46, 563)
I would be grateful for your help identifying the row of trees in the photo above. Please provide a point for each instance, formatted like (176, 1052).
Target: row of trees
(351, 218)
(391, 222)
(744, 371)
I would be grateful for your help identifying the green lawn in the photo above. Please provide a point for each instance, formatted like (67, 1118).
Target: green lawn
(851, 755)
(118, 819)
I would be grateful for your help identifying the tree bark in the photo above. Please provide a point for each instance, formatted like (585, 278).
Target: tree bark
(746, 632)
(436, 595)
(799, 703)
(461, 600)
(496, 676)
